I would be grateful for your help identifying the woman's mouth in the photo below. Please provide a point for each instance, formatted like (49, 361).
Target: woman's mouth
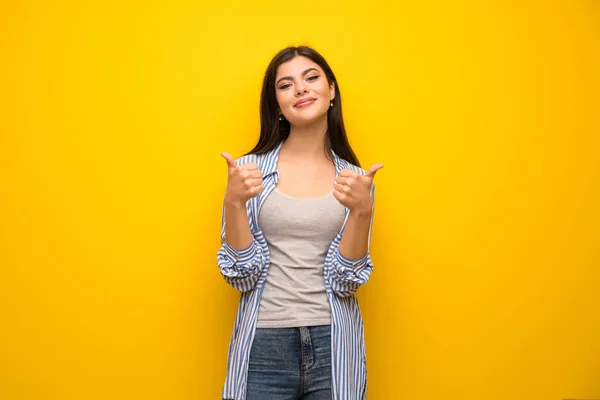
(304, 103)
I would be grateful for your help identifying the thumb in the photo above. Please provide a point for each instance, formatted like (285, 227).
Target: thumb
(373, 170)
(229, 159)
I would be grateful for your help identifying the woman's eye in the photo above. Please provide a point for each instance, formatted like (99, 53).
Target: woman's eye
(312, 78)
(285, 86)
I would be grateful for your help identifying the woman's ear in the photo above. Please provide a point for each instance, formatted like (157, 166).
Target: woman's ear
(332, 91)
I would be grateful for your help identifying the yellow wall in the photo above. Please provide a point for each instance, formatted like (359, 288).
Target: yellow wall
(486, 237)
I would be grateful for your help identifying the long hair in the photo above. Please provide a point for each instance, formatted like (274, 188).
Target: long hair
(273, 131)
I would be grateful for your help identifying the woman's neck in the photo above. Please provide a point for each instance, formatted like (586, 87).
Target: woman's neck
(306, 142)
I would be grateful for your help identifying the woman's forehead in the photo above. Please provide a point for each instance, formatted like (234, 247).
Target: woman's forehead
(296, 66)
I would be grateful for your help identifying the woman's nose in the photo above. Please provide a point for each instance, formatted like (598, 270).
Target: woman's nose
(301, 89)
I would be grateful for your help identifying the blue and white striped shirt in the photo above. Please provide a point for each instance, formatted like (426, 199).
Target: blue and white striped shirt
(246, 270)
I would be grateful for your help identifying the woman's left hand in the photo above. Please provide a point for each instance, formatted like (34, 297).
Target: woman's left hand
(353, 190)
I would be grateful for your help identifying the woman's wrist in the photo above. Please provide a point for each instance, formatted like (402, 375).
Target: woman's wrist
(362, 211)
(234, 203)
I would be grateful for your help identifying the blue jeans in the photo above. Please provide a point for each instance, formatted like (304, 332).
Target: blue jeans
(290, 364)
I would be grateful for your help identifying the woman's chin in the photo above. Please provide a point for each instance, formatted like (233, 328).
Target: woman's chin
(308, 120)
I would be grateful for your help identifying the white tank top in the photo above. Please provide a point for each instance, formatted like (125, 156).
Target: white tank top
(298, 232)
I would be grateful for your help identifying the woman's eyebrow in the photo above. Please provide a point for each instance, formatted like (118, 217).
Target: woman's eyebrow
(290, 78)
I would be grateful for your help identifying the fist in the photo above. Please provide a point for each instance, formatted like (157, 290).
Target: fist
(353, 190)
(243, 182)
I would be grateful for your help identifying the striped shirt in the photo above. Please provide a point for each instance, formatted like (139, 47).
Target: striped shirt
(246, 270)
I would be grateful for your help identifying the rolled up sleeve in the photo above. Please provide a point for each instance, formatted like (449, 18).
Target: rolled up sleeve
(241, 268)
(348, 275)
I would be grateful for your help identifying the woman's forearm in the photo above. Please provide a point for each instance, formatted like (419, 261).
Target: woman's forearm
(355, 241)
(237, 227)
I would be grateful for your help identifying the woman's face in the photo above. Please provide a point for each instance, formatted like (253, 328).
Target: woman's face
(302, 91)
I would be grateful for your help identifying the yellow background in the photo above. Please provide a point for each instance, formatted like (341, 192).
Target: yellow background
(487, 225)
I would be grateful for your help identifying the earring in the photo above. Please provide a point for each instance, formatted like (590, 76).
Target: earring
(281, 117)
(331, 103)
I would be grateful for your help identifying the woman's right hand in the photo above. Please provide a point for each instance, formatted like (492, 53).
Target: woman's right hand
(243, 183)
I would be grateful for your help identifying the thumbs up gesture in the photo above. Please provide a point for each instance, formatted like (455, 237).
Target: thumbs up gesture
(353, 190)
(244, 182)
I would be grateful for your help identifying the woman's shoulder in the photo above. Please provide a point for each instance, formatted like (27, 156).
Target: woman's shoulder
(348, 165)
(247, 159)
(342, 163)
(262, 159)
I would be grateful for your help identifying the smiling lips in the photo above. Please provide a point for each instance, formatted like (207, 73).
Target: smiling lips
(305, 102)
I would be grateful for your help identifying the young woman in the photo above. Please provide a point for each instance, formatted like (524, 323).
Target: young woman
(295, 236)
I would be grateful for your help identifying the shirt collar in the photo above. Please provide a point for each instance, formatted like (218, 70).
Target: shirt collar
(272, 157)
